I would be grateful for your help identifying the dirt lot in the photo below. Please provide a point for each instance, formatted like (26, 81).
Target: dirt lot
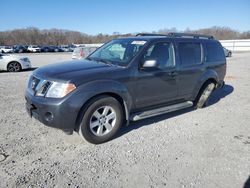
(190, 148)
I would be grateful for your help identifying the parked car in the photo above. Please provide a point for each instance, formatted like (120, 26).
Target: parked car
(126, 79)
(13, 63)
(20, 49)
(51, 49)
(66, 48)
(82, 52)
(6, 49)
(34, 48)
(228, 53)
(72, 47)
(45, 49)
(57, 49)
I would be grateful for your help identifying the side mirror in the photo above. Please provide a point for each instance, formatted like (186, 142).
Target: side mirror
(149, 63)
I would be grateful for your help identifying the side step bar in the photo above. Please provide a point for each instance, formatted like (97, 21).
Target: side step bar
(159, 111)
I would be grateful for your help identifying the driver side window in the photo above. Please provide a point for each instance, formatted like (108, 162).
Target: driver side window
(162, 53)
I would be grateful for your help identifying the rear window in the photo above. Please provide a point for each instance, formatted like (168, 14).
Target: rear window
(190, 53)
(214, 52)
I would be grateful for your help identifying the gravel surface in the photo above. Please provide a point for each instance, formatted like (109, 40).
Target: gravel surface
(190, 148)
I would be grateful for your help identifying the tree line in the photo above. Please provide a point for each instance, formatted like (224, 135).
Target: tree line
(37, 36)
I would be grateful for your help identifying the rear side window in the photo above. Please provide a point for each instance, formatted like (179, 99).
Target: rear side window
(214, 52)
(190, 53)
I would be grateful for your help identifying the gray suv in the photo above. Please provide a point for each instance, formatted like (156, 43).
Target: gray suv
(127, 79)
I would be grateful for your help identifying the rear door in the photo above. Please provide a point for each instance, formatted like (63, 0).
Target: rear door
(191, 65)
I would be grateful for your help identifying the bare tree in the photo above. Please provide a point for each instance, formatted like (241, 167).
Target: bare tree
(32, 35)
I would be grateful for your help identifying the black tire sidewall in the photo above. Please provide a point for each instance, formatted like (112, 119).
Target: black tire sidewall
(94, 105)
(197, 100)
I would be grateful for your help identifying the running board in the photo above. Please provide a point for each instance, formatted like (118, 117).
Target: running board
(159, 111)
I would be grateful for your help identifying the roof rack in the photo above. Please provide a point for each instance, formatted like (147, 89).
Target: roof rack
(149, 34)
(190, 35)
(198, 36)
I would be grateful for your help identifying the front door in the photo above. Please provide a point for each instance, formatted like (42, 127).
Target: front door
(157, 85)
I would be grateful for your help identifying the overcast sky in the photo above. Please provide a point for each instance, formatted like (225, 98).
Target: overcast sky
(124, 16)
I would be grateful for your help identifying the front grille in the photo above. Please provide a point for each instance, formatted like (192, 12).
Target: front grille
(38, 86)
(45, 87)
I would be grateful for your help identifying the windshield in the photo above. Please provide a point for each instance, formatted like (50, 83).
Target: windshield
(119, 52)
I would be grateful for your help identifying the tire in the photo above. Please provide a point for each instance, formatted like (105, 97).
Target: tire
(204, 94)
(14, 66)
(102, 120)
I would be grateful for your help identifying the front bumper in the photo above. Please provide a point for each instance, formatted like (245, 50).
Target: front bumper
(57, 113)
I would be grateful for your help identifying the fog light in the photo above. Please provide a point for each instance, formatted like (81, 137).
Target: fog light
(48, 116)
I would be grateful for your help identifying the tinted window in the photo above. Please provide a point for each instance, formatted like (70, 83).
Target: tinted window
(163, 54)
(214, 52)
(190, 53)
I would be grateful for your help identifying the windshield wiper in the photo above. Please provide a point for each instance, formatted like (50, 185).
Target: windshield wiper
(102, 61)
(105, 61)
(98, 59)
(90, 58)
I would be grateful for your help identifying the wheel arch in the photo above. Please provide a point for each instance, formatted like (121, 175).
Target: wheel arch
(210, 75)
(122, 96)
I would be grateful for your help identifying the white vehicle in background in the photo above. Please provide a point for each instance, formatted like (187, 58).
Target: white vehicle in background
(34, 48)
(6, 49)
(82, 52)
(13, 63)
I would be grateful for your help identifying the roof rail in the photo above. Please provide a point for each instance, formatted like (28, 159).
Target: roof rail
(190, 35)
(149, 34)
(197, 36)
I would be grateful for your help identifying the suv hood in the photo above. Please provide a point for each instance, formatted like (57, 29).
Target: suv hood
(71, 70)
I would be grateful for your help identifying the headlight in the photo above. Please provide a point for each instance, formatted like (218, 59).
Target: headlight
(52, 89)
(59, 90)
(25, 59)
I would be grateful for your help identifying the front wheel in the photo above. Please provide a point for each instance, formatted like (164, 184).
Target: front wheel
(14, 67)
(204, 94)
(102, 120)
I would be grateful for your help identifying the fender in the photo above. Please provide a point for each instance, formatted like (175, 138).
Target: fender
(208, 74)
(87, 91)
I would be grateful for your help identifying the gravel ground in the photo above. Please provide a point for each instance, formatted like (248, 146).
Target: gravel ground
(190, 148)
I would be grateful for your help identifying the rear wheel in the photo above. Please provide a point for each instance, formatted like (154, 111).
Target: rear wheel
(14, 67)
(204, 94)
(102, 120)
